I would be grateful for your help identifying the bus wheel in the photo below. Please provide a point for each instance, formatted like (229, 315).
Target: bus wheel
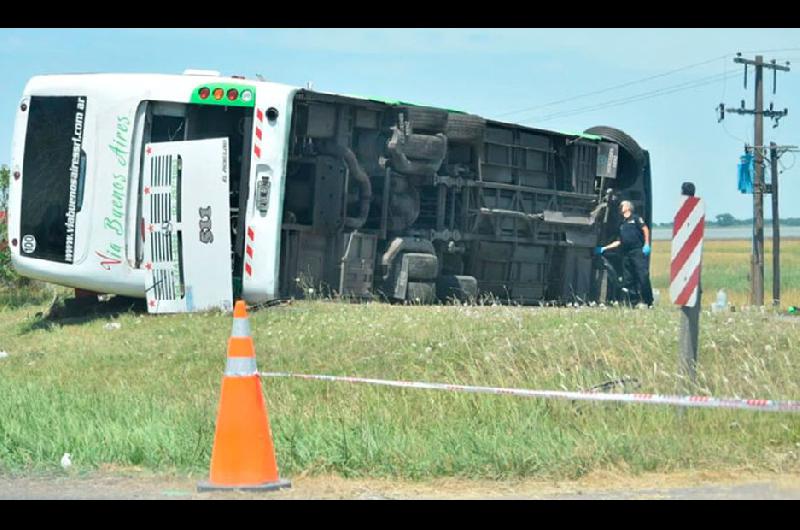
(615, 135)
(421, 267)
(412, 268)
(421, 292)
(461, 288)
(464, 127)
(426, 119)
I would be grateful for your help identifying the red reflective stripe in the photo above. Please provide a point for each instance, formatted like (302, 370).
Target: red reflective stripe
(680, 217)
(257, 150)
(680, 260)
(259, 115)
(248, 269)
(251, 234)
(258, 133)
(689, 288)
(249, 251)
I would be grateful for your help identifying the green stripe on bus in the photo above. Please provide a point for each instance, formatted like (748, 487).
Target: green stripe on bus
(400, 103)
(581, 135)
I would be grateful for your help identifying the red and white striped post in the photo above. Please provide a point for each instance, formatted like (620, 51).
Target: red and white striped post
(685, 269)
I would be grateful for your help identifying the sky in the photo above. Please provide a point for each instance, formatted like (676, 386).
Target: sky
(673, 80)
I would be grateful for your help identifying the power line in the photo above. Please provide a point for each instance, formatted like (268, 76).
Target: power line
(623, 101)
(784, 168)
(773, 51)
(615, 87)
(636, 97)
(637, 81)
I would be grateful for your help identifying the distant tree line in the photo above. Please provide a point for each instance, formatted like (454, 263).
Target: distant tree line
(725, 220)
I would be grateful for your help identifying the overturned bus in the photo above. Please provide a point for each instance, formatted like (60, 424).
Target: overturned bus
(192, 190)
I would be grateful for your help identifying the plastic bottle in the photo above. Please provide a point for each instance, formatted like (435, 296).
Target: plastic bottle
(722, 298)
(722, 301)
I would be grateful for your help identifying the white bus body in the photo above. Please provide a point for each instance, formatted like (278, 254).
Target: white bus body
(105, 119)
(190, 190)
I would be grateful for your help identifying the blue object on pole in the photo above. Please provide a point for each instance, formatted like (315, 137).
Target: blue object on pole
(746, 164)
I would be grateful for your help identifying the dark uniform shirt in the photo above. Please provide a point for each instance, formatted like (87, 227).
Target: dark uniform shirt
(631, 234)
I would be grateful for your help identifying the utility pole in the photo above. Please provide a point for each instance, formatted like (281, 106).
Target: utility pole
(776, 226)
(757, 259)
(775, 152)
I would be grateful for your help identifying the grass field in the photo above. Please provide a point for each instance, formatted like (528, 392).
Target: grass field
(145, 395)
(726, 265)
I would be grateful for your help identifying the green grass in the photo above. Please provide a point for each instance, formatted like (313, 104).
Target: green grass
(31, 293)
(726, 265)
(146, 394)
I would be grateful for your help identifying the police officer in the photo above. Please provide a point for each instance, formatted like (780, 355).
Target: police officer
(634, 238)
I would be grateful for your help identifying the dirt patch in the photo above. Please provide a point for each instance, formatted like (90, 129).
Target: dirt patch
(132, 484)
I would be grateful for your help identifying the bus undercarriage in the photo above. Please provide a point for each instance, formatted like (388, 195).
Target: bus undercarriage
(415, 204)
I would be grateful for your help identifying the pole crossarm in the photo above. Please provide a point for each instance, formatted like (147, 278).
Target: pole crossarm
(767, 113)
(771, 66)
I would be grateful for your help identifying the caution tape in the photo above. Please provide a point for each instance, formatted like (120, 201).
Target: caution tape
(766, 405)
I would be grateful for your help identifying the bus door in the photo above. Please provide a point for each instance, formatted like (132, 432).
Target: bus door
(186, 226)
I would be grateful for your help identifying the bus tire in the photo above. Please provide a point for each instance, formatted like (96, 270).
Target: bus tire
(462, 288)
(464, 127)
(421, 292)
(425, 147)
(421, 267)
(427, 119)
(623, 139)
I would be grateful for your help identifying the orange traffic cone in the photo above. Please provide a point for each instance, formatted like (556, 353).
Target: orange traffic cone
(243, 456)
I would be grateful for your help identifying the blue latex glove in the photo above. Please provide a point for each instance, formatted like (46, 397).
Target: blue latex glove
(598, 251)
(646, 250)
